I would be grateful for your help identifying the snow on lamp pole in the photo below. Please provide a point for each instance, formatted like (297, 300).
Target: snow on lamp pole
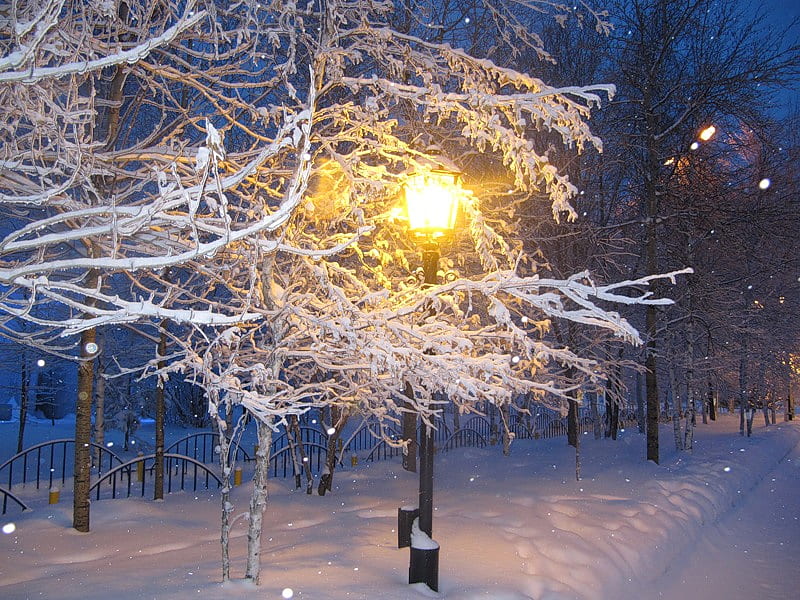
(432, 196)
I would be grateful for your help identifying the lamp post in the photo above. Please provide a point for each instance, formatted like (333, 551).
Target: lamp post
(432, 195)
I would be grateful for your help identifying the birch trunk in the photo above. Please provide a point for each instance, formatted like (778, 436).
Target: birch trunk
(23, 403)
(258, 502)
(751, 415)
(690, 422)
(296, 460)
(161, 409)
(225, 498)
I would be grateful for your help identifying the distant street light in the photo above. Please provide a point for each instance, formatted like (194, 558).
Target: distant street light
(707, 133)
(432, 196)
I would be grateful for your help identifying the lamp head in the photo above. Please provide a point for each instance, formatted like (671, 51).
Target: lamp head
(432, 197)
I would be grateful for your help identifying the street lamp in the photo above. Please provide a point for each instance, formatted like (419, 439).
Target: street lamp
(707, 133)
(432, 195)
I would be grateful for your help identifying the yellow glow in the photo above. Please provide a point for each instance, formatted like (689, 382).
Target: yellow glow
(708, 133)
(432, 201)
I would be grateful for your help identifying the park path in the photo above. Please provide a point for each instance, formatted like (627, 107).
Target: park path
(751, 553)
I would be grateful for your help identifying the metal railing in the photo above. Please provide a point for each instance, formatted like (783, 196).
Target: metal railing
(7, 495)
(203, 446)
(136, 476)
(283, 462)
(464, 437)
(50, 461)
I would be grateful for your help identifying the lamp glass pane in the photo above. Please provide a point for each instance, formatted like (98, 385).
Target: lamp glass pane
(432, 202)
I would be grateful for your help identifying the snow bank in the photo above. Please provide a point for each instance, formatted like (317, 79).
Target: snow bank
(510, 528)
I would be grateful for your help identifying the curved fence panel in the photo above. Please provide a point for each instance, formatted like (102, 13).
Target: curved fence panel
(309, 435)
(52, 461)
(383, 451)
(7, 495)
(466, 437)
(282, 463)
(137, 477)
(479, 424)
(204, 447)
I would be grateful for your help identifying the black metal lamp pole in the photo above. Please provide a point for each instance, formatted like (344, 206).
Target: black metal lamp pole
(424, 565)
(430, 266)
(432, 196)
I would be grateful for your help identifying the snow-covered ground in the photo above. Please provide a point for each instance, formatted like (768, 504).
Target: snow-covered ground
(719, 523)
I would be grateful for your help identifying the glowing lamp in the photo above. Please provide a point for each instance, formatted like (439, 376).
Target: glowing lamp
(432, 201)
(707, 133)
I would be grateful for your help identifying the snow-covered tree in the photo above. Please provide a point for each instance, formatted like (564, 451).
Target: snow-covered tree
(258, 151)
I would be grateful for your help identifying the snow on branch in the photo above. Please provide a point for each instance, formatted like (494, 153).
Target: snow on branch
(34, 73)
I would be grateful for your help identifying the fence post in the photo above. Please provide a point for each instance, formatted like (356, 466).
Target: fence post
(140, 469)
(237, 476)
(54, 496)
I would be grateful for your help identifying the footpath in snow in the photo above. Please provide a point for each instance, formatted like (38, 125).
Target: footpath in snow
(510, 528)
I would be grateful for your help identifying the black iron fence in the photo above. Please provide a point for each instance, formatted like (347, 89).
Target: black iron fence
(137, 477)
(8, 495)
(50, 462)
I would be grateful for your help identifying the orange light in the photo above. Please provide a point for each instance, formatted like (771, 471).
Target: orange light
(432, 201)
(707, 133)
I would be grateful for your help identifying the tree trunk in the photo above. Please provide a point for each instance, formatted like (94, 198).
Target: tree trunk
(572, 412)
(23, 403)
(83, 434)
(596, 425)
(704, 411)
(225, 495)
(572, 423)
(99, 412)
(641, 418)
(712, 406)
(294, 424)
(690, 423)
(742, 386)
(506, 416)
(258, 502)
(612, 404)
(293, 441)
(614, 420)
(161, 409)
(338, 419)
(676, 400)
